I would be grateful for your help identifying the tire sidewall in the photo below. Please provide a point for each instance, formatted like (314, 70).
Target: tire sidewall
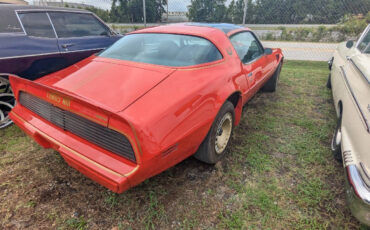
(277, 76)
(226, 108)
(272, 83)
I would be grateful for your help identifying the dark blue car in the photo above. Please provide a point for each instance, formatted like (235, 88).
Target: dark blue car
(35, 41)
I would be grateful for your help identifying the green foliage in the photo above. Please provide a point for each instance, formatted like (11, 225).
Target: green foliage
(77, 223)
(103, 14)
(277, 11)
(349, 28)
(207, 11)
(352, 25)
(155, 211)
(132, 10)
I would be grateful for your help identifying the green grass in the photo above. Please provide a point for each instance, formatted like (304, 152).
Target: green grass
(278, 174)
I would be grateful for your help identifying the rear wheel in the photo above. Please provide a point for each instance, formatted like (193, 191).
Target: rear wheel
(272, 83)
(215, 145)
(336, 142)
(7, 102)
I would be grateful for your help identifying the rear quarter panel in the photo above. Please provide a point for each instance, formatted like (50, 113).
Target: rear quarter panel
(355, 136)
(178, 113)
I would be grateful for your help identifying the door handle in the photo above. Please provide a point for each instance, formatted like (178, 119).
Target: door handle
(65, 46)
(250, 74)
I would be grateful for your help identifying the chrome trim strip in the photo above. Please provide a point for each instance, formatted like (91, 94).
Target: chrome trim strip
(362, 37)
(356, 101)
(12, 33)
(358, 69)
(364, 170)
(31, 55)
(74, 51)
(53, 10)
(45, 54)
(355, 180)
(52, 25)
(20, 22)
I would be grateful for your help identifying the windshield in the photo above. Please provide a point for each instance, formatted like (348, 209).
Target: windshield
(163, 49)
(364, 45)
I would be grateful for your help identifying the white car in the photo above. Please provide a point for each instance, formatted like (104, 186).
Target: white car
(350, 83)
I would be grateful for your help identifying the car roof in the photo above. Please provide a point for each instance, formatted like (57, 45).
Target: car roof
(11, 7)
(224, 27)
(9, 22)
(198, 29)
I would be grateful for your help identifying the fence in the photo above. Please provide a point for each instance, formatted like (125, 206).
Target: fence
(305, 29)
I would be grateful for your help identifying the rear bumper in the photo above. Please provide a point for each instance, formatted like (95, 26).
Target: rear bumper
(109, 171)
(358, 195)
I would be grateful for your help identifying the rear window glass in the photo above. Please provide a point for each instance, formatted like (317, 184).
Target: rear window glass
(77, 25)
(164, 49)
(9, 22)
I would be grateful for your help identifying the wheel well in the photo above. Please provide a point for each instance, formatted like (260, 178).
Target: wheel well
(4, 76)
(234, 99)
(340, 106)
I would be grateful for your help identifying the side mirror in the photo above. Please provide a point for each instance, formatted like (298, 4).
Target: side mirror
(349, 44)
(268, 51)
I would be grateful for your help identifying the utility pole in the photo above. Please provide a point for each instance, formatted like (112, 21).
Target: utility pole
(245, 11)
(144, 13)
(167, 11)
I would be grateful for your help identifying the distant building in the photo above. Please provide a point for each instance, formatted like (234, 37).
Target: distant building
(59, 3)
(18, 2)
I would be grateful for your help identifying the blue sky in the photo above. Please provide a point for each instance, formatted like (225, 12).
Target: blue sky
(173, 5)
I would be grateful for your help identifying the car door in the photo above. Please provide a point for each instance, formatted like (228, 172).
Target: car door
(80, 34)
(251, 54)
(37, 53)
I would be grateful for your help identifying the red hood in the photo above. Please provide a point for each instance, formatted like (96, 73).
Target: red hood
(113, 83)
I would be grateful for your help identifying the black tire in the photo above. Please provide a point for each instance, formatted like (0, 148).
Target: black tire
(328, 83)
(336, 145)
(272, 83)
(7, 102)
(207, 150)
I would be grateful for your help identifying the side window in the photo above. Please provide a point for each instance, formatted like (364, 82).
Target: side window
(37, 25)
(364, 45)
(247, 46)
(69, 25)
(9, 22)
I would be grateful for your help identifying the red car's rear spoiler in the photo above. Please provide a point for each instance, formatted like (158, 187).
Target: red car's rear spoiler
(60, 98)
(77, 105)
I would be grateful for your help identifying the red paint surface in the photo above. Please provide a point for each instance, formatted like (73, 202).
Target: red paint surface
(165, 112)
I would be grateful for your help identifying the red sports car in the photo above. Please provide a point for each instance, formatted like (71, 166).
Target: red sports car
(154, 98)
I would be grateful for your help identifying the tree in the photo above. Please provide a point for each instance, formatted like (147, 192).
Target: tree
(103, 14)
(132, 10)
(237, 11)
(207, 11)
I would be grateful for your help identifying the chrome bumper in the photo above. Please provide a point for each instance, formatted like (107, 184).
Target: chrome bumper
(358, 195)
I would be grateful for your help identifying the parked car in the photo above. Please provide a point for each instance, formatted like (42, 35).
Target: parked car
(168, 92)
(35, 41)
(350, 83)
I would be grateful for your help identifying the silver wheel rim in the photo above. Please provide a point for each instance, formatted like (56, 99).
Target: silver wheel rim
(7, 102)
(223, 133)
